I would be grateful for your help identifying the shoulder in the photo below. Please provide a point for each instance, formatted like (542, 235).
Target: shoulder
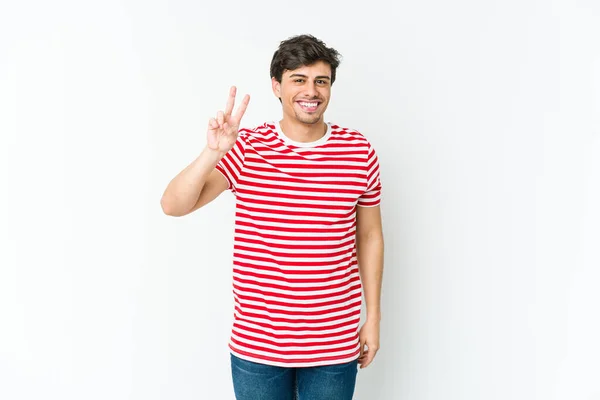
(349, 135)
(261, 131)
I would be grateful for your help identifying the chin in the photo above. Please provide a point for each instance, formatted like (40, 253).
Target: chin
(308, 120)
(311, 121)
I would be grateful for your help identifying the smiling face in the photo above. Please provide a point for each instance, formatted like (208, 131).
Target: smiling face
(305, 92)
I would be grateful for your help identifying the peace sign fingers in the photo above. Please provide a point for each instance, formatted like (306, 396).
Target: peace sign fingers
(235, 120)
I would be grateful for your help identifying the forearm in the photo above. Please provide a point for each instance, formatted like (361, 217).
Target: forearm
(370, 262)
(183, 191)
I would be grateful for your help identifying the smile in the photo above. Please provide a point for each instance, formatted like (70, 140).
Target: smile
(308, 106)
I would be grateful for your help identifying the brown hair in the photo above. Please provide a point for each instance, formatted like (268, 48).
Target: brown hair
(302, 50)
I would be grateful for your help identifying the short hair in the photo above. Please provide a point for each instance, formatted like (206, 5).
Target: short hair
(301, 50)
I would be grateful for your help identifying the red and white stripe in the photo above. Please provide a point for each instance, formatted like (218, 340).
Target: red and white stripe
(296, 283)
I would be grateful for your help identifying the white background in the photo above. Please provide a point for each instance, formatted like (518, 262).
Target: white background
(486, 118)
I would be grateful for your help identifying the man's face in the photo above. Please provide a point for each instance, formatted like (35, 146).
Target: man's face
(305, 92)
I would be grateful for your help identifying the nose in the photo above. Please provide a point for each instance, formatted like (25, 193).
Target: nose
(311, 89)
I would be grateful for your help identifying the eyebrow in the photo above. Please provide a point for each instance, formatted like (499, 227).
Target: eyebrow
(316, 77)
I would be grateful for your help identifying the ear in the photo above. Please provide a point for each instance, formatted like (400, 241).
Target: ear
(276, 88)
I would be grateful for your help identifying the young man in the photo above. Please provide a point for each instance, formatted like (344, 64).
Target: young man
(308, 235)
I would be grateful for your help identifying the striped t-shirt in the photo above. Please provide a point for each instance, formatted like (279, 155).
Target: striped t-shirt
(296, 283)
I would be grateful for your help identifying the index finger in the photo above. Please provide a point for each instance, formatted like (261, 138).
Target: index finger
(242, 108)
(230, 101)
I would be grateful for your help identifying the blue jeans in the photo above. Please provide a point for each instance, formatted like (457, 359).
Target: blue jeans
(253, 381)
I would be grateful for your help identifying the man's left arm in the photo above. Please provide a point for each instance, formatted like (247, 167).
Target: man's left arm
(369, 241)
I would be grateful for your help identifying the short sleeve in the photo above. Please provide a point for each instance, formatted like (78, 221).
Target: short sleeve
(231, 164)
(372, 195)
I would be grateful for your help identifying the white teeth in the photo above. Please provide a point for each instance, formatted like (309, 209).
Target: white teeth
(308, 104)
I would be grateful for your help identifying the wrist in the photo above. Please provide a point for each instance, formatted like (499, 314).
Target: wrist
(374, 317)
(214, 156)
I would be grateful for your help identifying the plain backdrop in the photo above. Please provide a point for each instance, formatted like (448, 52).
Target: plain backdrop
(486, 118)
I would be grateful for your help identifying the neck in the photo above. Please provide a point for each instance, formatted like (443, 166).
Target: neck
(301, 132)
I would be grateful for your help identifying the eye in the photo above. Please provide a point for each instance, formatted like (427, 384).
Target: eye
(299, 80)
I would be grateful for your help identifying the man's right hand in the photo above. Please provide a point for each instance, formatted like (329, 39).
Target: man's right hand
(223, 130)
